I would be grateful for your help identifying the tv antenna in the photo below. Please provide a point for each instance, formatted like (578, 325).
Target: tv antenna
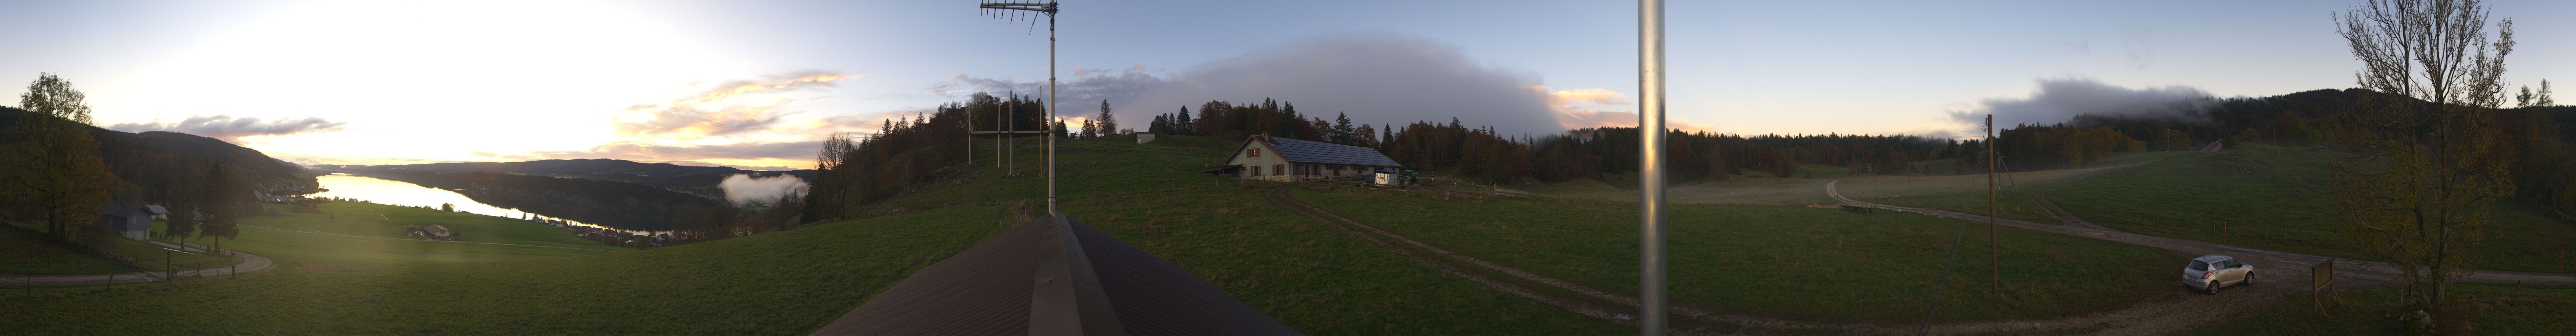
(1015, 11)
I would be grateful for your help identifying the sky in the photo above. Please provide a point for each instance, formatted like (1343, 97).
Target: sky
(754, 84)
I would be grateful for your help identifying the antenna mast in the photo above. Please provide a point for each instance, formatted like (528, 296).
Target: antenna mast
(1016, 11)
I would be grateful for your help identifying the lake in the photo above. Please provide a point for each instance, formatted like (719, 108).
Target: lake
(383, 191)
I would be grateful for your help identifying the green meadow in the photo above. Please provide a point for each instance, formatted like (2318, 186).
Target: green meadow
(2495, 310)
(23, 250)
(1791, 261)
(1312, 277)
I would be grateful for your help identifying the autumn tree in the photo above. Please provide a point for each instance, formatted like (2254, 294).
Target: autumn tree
(2424, 169)
(51, 170)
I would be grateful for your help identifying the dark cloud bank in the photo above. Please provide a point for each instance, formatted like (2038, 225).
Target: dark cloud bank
(1376, 78)
(230, 128)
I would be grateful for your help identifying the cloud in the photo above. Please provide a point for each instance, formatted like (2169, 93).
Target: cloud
(742, 189)
(1378, 79)
(230, 128)
(2058, 100)
(1584, 108)
(646, 151)
(725, 109)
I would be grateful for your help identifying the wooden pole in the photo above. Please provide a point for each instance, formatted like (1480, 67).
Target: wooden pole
(1994, 253)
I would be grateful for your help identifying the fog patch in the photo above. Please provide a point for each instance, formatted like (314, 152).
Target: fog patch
(745, 190)
(2059, 100)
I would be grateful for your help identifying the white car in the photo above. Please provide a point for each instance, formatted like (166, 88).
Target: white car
(2210, 272)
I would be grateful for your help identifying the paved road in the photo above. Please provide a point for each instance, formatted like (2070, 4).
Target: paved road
(249, 263)
(2272, 268)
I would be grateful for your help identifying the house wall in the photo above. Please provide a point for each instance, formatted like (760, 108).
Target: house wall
(1271, 166)
(1268, 163)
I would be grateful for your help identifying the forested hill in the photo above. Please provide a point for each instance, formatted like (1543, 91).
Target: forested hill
(147, 160)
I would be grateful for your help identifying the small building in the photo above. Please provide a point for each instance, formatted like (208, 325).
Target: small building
(158, 212)
(129, 220)
(1142, 137)
(1281, 159)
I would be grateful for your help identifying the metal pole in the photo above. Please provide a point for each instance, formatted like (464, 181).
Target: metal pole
(1650, 172)
(1013, 118)
(1050, 107)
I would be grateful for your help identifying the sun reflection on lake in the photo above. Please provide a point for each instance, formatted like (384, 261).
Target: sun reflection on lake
(391, 192)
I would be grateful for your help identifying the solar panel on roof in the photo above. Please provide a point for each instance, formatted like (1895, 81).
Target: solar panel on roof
(1323, 152)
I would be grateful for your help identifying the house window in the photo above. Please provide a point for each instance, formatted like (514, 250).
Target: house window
(1252, 152)
(1256, 170)
(1279, 169)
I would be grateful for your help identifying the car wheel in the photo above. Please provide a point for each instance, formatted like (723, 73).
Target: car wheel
(2249, 277)
(2213, 288)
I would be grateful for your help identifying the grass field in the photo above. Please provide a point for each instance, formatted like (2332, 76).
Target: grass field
(1767, 191)
(782, 283)
(2276, 198)
(24, 250)
(1781, 260)
(1313, 278)
(2500, 310)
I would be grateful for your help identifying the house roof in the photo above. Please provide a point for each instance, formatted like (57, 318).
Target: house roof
(121, 209)
(1324, 152)
(156, 209)
(1036, 279)
(434, 228)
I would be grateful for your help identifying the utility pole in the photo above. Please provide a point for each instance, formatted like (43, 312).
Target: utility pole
(1994, 255)
(1650, 172)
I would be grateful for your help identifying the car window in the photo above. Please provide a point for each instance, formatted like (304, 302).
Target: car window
(2230, 263)
(2197, 265)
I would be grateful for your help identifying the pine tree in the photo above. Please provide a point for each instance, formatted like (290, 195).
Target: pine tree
(1108, 123)
(1343, 133)
(1181, 123)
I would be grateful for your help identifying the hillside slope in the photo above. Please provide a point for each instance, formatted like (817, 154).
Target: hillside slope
(134, 154)
(2278, 198)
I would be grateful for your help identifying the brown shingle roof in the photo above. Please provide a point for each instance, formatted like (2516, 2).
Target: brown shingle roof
(996, 287)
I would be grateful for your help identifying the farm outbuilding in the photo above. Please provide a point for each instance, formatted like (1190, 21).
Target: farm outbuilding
(129, 220)
(1281, 159)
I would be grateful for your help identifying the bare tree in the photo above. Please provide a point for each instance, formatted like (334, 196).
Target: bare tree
(2424, 168)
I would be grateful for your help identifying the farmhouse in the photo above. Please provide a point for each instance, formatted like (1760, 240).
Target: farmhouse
(129, 220)
(1281, 159)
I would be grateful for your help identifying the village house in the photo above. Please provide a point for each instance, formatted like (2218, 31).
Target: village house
(1270, 158)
